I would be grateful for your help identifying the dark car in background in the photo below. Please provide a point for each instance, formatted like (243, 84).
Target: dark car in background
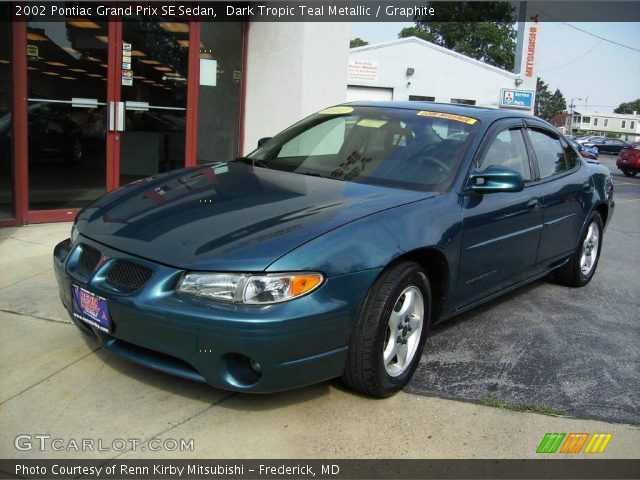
(54, 136)
(628, 160)
(608, 145)
(332, 249)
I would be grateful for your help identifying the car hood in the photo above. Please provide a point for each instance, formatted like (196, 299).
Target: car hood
(229, 216)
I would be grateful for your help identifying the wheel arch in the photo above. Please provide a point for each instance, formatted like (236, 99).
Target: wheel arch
(603, 210)
(436, 265)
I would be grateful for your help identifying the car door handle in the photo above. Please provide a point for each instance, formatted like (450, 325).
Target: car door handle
(533, 203)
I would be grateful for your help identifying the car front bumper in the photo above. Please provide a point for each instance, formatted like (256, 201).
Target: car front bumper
(296, 343)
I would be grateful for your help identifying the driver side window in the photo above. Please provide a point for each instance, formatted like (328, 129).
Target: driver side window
(508, 150)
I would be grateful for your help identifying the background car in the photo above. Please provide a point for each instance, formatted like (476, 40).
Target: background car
(607, 145)
(590, 138)
(589, 154)
(629, 160)
(55, 135)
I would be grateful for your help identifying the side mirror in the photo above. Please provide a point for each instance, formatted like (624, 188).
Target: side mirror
(495, 179)
(263, 140)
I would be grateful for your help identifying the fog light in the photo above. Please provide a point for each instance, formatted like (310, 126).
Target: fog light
(255, 366)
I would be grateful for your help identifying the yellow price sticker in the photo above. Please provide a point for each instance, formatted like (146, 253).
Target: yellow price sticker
(370, 122)
(447, 116)
(339, 110)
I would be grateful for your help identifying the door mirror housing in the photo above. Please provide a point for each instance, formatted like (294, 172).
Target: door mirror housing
(263, 140)
(495, 179)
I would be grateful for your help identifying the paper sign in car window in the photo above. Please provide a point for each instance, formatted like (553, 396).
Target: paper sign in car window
(340, 110)
(371, 123)
(447, 116)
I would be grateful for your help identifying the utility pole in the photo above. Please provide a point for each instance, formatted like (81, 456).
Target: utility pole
(571, 107)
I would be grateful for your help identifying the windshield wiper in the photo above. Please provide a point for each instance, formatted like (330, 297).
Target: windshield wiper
(252, 161)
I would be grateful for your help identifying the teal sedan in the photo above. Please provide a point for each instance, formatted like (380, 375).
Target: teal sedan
(333, 248)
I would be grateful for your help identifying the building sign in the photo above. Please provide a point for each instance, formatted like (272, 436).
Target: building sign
(362, 71)
(531, 50)
(516, 98)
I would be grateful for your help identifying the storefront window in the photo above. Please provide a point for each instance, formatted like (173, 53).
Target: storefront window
(66, 108)
(219, 102)
(6, 137)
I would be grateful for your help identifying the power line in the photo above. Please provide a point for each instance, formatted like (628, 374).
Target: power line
(545, 14)
(601, 38)
(575, 59)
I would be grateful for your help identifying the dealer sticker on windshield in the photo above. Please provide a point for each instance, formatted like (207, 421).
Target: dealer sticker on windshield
(447, 116)
(91, 308)
(339, 110)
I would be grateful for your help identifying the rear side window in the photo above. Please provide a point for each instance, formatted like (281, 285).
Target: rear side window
(570, 154)
(549, 153)
(508, 150)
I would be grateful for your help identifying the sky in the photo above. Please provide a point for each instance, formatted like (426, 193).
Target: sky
(603, 75)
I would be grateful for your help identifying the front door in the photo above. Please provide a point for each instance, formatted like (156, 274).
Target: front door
(501, 231)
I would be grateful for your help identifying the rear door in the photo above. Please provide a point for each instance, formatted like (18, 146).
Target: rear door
(564, 185)
(501, 231)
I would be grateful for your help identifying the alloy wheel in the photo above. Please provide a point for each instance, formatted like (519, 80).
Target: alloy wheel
(590, 249)
(404, 331)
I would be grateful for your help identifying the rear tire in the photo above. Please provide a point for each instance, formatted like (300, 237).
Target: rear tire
(584, 261)
(388, 336)
(629, 173)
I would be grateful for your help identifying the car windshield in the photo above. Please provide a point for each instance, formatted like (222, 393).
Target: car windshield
(382, 146)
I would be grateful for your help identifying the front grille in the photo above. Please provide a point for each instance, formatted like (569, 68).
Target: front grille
(127, 277)
(88, 260)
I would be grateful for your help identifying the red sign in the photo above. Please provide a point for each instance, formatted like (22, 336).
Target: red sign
(531, 50)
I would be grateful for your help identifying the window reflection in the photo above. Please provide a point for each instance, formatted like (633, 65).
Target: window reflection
(153, 140)
(219, 97)
(67, 87)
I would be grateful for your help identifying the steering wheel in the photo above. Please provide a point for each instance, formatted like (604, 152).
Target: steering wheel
(440, 163)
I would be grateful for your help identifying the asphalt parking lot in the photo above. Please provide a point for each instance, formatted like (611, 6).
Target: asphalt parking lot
(549, 347)
(578, 355)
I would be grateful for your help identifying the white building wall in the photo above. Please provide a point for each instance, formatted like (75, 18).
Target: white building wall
(604, 123)
(293, 70)
(438, 73)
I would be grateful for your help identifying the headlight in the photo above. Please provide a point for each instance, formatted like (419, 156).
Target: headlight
(251, 289)
(74, 234)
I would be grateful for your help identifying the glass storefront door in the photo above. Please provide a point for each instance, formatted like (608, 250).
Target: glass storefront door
(85, 134)
(107, 103)
(153, 76)
(6, 131)
(67, 64)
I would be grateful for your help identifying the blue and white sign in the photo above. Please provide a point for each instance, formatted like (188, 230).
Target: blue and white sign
(516, 98)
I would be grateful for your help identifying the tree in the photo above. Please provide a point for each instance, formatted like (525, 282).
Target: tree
(357, 42)
(491, 42)
(628, 107)
(547, 104)
(556, 104)
(542, 97)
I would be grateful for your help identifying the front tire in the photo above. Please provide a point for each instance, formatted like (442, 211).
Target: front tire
(388, 336)
(584, 261)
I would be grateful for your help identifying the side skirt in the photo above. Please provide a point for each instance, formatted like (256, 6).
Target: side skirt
(459, 310)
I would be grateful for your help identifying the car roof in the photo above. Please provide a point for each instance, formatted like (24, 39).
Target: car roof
(481, 113)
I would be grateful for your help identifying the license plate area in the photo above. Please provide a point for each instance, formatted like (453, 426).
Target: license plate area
(91, 309)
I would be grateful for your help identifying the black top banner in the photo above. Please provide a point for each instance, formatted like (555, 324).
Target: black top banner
(319, 11)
